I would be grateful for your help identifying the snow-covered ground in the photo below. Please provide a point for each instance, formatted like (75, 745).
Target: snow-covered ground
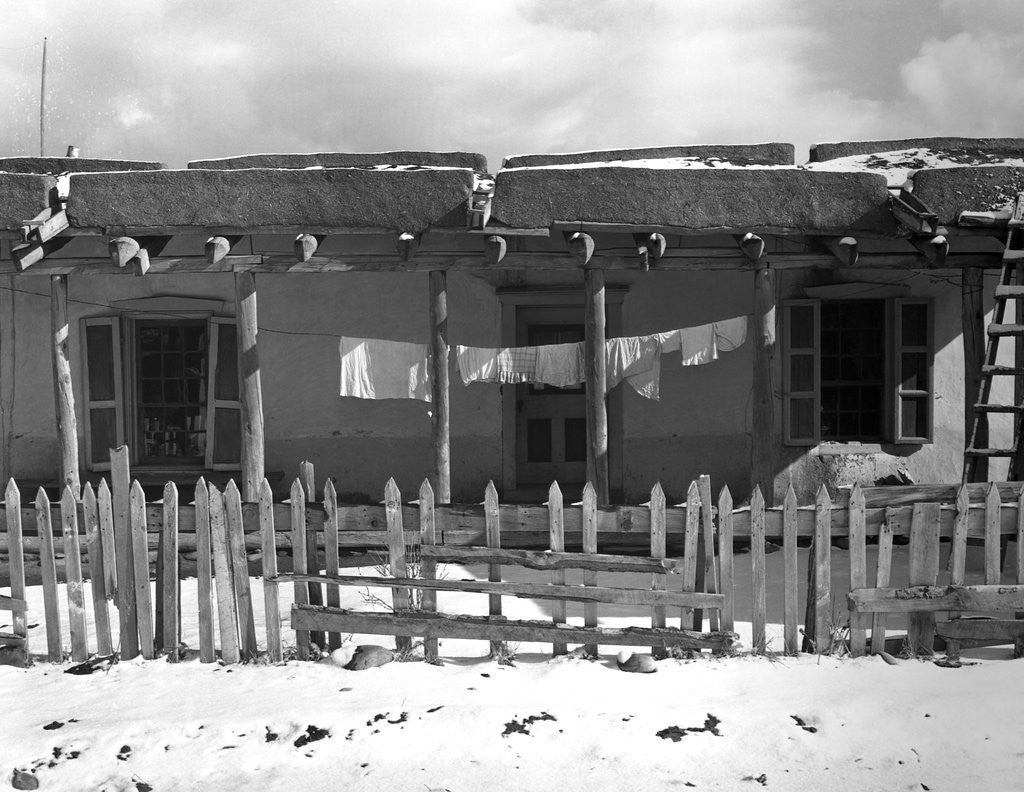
(743, 722)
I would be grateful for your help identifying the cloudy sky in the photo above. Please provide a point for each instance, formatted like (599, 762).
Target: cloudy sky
(176, 80)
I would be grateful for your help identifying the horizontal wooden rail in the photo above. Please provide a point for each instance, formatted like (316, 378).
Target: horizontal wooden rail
(549, 560)
(12, 604)
(981, 629)
(430, 625)
(614, 596)
(914, 599)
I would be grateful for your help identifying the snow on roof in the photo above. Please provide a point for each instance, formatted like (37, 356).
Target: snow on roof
(899, 166)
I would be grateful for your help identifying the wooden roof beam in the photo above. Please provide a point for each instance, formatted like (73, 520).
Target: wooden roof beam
(29, 253)
(217, 247)
(648, 247)
(495, 248)
(581, 246)
(305, 245)
(45, 225)
(934, 250)
(752, 246)
(407, 244)
(135, 253)
(843, 248)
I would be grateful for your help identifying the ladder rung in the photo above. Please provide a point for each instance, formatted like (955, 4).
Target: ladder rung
(1009, 291)
(990, 452)
(996, 370)
(1006, 408)
(1006, 330)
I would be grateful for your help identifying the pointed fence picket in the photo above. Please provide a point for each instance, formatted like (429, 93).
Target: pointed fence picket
(97, 571)
(204, 573)
(73, 576)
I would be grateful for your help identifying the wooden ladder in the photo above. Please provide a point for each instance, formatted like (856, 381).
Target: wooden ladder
(1007, 289)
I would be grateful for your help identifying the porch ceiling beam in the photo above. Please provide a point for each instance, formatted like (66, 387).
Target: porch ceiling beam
(912, 213)
(495, 248)
(407, 244)
(752, 246)
(581, 247)
(935, 249)
(650, 248)
(675, 259)
(136, 252)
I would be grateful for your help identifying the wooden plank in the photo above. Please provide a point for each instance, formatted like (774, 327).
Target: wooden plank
(760, 608)
(73, 576)
(400, 597)
(106, 516)
(126, 605)
(330, 552)
(658, 582)
(314, 591)
(97, 575)
(590, 547)
(428, 566)
(790, 571)
(858, 566)
(227, 618)
(498, 649)
(271, 606)
(170, 594)
(63, 389)
(691, 546)
(544, 560)
(140, 570)
(481, 627)
(11, 604)
(821, 562)
(927, 600)
(992, 510)
(727, 572)
(708, 568)
(924, 562)
(250, 393)
(239, 572)
(763, 337)
(1020, 539)
(204, 573)
(440, 419)
(882, 578)
(958, 545)
(12, 510)
(981, 629)
(51, 608)
(545, 591)
(299, 562)
(556, 543)
(596, 381)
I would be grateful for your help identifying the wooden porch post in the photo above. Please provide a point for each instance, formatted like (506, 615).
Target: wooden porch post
(440, 425)
(763, 440)
(973, 319)
(594, 355)
(63, 392)
(7, 357)
(250, 392)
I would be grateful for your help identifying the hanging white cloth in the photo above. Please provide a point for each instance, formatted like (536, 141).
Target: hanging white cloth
(372, 368)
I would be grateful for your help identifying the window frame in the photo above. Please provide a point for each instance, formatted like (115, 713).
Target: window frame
(894, 395)
(124, 348)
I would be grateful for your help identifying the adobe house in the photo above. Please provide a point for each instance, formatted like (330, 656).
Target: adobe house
(195, 315)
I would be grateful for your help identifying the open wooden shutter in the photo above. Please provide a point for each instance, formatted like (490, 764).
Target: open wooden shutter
(912, 336)
(103, 389)
(802, 373)
(223, 408)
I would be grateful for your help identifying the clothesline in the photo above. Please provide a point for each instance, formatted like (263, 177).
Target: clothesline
(379, 369)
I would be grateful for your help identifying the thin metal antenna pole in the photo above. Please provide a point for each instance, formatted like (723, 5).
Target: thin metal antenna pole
(42, 102)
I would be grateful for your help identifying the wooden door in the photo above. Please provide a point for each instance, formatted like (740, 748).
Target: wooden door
(551, 424)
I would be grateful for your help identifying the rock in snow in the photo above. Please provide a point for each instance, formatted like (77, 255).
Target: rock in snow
(636, 663)
(362, 657)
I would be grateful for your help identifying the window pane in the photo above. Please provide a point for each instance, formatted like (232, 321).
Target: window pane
(801, 326)
(915, 371)
(801, 372)
(575, 439)
(227, 363)
(914, 324)
(227, 441)
(914, 416)
(801, 419)
(538, 440)
(99, 341)
(103, 431)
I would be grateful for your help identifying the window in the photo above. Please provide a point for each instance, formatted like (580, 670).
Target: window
(165, 386)
(857, 370)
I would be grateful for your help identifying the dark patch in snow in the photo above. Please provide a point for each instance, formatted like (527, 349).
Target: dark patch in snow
(486, 675)
(803, 724)
(271, 736)
(401, 718)
(761, 779)
(435, 709)
(516, 727)
(313, 733)
(142, 786)
(675, 734)
(53, 725)
(124, 753)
